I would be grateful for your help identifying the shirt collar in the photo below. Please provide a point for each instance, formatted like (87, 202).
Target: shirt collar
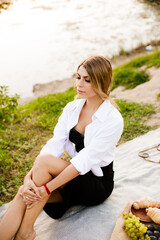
(101, 113)
(78, 104)
(103, 110)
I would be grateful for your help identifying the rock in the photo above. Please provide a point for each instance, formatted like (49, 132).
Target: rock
(52, 87)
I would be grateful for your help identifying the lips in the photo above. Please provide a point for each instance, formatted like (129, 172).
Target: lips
(79, 91)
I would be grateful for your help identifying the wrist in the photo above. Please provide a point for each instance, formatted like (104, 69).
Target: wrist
(47, 189)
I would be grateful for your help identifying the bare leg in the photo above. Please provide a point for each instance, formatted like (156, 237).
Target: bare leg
(46, 166)
(12, 218)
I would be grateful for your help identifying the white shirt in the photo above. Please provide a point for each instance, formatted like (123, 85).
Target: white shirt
(100, 137)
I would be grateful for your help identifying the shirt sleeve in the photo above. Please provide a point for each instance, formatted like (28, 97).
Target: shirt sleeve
(99, 148)
(56, 145)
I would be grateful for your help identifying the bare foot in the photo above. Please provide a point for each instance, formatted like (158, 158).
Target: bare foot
(26, 236)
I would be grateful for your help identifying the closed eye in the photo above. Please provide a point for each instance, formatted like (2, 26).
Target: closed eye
(88, 81)
(85, 78)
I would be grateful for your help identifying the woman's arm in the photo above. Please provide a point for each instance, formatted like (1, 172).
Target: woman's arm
(65, 176)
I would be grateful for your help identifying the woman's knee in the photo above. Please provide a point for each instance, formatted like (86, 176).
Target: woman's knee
(43, 160)
(50, 163)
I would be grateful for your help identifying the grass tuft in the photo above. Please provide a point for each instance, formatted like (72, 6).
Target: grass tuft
(135, 116)
(130, 74)
(130, 77)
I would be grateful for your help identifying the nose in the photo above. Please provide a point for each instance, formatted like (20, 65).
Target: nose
(80, 83)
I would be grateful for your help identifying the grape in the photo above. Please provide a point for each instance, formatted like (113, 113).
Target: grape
(134, 228)
(153, 238)
(157, 228)
(151, 227)
(149, 233)
(153, 232)
(156, 233)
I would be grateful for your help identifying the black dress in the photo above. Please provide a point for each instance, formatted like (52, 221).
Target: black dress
(86, 189)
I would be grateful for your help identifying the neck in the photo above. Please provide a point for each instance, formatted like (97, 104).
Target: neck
(94, 103)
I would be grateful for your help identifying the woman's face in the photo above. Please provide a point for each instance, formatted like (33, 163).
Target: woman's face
(84, 87)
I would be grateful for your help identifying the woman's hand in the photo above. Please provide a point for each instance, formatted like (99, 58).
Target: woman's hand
(43, 194)
(30, 192)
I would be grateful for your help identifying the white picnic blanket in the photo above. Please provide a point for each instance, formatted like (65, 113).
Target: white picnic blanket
(134, 178)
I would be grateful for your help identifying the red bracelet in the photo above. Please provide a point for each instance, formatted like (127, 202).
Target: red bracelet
(47, 190)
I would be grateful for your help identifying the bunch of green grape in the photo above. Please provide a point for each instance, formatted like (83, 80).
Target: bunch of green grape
(134, 228)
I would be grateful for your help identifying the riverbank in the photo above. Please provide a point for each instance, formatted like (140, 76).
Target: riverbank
(145, 93)
(64, 84)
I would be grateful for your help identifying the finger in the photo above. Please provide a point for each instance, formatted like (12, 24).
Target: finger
(28, 200)
(30, 192)
(36, 190)
(31, 200)
(30, 195)
(33, 189)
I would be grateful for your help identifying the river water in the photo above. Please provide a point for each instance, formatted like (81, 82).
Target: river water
(45, 40)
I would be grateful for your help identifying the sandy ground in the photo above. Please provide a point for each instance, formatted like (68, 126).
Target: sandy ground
(145, 93)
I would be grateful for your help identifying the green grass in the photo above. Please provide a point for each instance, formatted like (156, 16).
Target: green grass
(130, 74)
(135, 116)
(158, 96)
(22, 139)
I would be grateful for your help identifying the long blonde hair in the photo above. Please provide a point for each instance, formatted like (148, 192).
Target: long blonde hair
(99, 70)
